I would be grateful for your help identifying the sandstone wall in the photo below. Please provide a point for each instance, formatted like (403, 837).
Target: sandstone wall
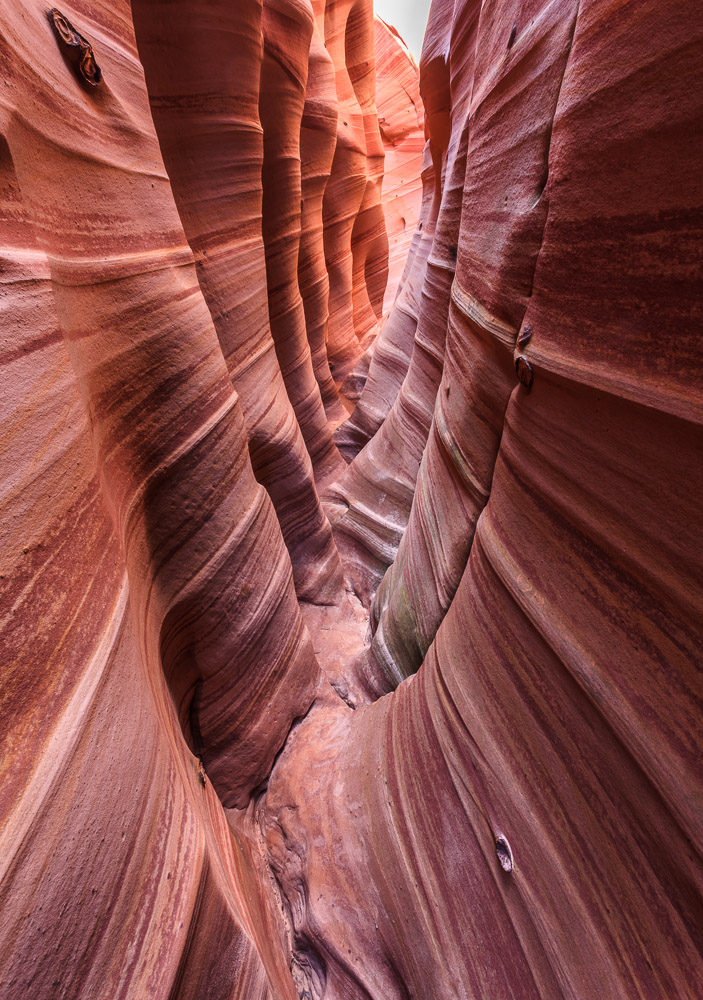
(533, 493)
(202, 792)
(154, 654)
(402, 123)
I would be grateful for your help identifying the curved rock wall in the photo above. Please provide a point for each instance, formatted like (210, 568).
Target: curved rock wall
(408, 192)
(201, 792)
(208, 99)
(401, 120)
(485, 303)
(374, 497)
(140, 608)
(287, 32)
(318, 141)
(522, 816)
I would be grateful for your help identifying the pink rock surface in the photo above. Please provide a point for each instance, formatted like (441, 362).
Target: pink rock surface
(208, 99)
(522, 816)
(507, 151)
(374, 497)
(287, 27)
(202, 793)
(354, 226)
(318, 141)
(402, 122)
(369, 235)
(137, 549)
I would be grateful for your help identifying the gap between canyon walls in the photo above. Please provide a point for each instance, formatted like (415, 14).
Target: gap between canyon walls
(402, 702)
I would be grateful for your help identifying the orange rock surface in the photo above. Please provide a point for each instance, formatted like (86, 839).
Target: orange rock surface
(402, 129)
(426, 725)
(209, 99)
(401, 119)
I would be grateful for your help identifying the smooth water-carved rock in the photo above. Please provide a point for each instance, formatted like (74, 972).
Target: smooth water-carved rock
(287, 27)
(318, 141)
(201, 791)
(353, 249)
(139, 601)
(401, 120)
(206, 112)
(494, 273)
(407, 199)
(543, 585)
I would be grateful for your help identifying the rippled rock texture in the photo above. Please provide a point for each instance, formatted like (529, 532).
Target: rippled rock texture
(424, 725)
(401, 119)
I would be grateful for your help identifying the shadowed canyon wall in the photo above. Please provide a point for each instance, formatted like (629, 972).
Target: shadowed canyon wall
(426, 724)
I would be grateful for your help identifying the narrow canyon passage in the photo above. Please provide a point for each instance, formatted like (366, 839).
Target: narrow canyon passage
(351, 584)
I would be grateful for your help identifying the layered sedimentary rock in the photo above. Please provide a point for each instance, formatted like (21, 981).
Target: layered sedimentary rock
(200, 792)
(287, 32)
(401, 120)
(506, 156)
(374, 496)
(408, 196)
(523, 816)
(208, 100)
(318, 141)
(369, 237)
(146, 587)
(354, 226)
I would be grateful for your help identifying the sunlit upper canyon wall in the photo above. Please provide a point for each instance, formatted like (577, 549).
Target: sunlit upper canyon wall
(351, 464)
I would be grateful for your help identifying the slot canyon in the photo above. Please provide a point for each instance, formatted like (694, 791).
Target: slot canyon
(351, 549)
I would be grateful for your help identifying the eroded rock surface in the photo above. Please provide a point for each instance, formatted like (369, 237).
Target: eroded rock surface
(435, 730)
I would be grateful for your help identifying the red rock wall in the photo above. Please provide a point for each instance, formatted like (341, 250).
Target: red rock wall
(353, 189)
(139, 602)
(522, 816)
(407, 200)
(208, 99)
(318, 141)
(201, 792)
(287, 32)
(401, 120)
